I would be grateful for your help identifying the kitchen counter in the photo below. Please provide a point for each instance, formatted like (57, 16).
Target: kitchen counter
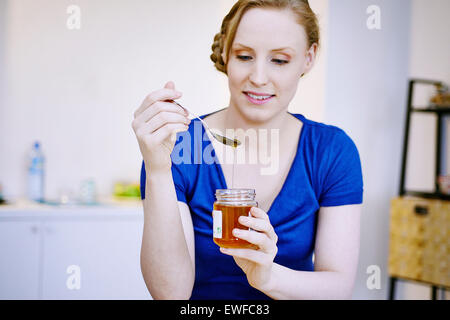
(107, 207)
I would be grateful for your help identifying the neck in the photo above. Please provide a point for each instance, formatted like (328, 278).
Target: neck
(279, 128)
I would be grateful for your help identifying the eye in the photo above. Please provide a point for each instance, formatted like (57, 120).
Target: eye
(244, 58)
(280, 61)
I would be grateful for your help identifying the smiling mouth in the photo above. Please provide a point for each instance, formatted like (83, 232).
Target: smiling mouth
(259, 97)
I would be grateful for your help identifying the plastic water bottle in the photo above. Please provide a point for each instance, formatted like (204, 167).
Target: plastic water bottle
(36, 174)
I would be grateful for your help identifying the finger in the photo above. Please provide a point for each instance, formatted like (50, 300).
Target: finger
(164, 118)
(147, 127)
(168, 130)
(170, 85)
(155, 124)
(257, 224)
(261, 214)
(155, 109)
(256, 256)
(159, 95)
(258, 238)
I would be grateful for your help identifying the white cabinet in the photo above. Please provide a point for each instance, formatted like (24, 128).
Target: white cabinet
(46, 255)
(99, 259)
(19, 259)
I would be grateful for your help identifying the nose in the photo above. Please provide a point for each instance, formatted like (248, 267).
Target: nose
(258, 74)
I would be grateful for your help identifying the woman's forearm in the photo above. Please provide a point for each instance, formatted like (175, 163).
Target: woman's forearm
(288, 284)
(165, 262)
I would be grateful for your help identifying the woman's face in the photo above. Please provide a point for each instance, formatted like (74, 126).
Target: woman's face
(267, 58)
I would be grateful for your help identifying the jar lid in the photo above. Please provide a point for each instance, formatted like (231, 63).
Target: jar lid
(235, 194)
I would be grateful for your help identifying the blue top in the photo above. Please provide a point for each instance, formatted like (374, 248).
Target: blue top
(326, 171)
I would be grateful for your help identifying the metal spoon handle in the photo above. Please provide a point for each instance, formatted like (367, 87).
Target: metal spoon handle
(194, 115)
(218, 137)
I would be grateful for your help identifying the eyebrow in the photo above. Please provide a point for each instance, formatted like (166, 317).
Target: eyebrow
(279, 49)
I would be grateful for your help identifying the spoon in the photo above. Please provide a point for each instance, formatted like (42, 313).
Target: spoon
(222, 139)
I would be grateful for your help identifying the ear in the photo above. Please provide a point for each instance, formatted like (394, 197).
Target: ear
(310, 57)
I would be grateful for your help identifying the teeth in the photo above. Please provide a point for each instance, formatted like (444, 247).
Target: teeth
(258, 97)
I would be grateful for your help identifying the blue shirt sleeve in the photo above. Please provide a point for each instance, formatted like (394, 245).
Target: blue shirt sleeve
(143, 176)
(178, 180)
(342, 181)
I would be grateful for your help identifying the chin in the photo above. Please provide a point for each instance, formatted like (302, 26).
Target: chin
(257, 114)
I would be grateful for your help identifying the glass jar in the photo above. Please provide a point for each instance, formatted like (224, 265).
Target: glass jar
(229, 206)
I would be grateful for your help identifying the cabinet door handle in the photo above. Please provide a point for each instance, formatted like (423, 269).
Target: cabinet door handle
(421, 210)
(34, 229)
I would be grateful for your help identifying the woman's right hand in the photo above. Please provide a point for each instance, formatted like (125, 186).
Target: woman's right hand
(156, 124)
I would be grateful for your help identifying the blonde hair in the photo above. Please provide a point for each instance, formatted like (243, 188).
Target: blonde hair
(224, 39)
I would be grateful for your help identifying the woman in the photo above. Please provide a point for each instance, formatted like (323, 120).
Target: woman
(306, 226)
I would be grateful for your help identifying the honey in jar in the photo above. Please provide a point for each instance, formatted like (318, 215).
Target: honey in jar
(229, 206)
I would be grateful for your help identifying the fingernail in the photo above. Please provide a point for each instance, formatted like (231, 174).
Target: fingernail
(236, 232)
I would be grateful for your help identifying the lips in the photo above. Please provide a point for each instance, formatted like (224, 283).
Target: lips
(258, 98)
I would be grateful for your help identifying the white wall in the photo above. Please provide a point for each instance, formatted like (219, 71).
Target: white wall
(366, 90)
(76, 90)
(3, 10)
(430, 47)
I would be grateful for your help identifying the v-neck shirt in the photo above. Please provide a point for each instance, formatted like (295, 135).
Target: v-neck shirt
(268, 170)
(326, 171)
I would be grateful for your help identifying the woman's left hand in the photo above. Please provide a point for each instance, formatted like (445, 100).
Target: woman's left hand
(256, 263)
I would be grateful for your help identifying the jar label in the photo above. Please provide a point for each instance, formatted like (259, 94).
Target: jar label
(217, 224)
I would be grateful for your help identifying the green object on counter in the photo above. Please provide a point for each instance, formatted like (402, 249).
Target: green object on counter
(127, 190)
